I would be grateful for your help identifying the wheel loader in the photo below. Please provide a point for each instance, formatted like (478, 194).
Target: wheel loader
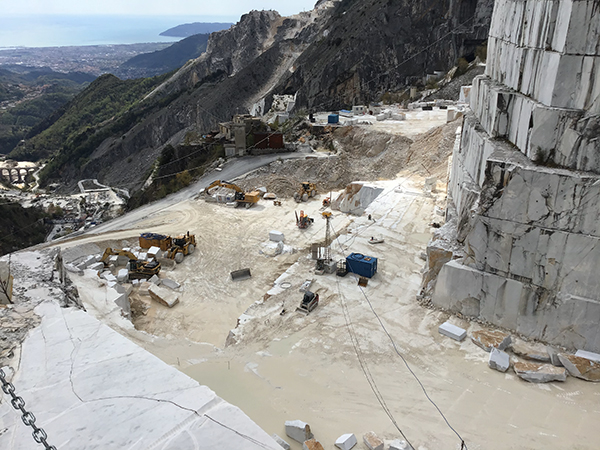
(306, 190)
(182, 246)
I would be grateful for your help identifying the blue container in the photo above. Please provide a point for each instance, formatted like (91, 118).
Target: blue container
(365, 266)
(333, 118)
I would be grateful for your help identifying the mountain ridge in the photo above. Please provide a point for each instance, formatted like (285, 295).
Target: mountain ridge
(339, 54)
(189, 29)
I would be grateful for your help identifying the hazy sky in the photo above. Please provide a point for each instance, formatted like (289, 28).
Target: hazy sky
(213, 8)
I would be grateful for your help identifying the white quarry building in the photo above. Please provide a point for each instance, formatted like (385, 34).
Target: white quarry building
(521, 248)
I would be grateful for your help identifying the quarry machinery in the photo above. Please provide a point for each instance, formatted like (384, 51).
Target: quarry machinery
(137, 269)
(161, 241)
(306, 190)
(240, 197)
(182, 246)
(303, 221)
(324, 261)
(308, 303)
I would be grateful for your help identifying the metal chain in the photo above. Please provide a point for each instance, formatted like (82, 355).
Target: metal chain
(39, 435)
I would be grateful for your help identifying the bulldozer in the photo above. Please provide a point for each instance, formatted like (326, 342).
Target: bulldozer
(303, 221)
(308, 303)
(240, 197)
(137, 269)
(182, 246)
(306, 190)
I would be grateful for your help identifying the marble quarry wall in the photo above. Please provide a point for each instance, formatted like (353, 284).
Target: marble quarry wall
(524, 190)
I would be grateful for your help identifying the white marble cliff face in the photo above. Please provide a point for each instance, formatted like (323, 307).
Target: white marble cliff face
(525, 182)
(91, 388)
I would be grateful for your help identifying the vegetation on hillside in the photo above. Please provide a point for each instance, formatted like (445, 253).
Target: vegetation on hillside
(21, 227)
(76, 123)
(30, 98)
(175, 169)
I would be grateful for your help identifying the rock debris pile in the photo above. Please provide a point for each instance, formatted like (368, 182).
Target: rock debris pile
(363, 155)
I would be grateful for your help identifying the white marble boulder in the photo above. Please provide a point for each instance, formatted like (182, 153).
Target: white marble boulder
(372, 441)
(284, 445)
(346, 441)
(499, 360)
(298, 430)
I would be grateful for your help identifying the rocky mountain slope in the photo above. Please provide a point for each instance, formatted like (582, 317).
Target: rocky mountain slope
(165, 60)
(340, 53)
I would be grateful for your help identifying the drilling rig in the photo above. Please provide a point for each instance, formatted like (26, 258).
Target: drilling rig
(324, 261)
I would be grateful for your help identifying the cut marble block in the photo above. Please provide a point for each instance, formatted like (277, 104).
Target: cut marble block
(452, 331)
(539, 373)
(499, 360)
(170, 283)
(164, 296)
(281, 442)
(298, 430)
(346, 441)
(399, 444)
(588, 355)
(122, 275)
(372, 441)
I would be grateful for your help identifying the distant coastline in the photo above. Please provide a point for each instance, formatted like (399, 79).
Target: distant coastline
(63, 31)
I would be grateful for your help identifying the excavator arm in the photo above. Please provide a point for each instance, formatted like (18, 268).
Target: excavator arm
(110, 252)
(224, 184)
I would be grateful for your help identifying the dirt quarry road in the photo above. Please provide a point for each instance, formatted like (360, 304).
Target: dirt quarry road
(323, 368)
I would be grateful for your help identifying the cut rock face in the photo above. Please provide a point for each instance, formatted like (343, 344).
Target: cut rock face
(540, 373)
(499, 360)
(581, 367)
(488, 339)
(298, 430)
(372, 441)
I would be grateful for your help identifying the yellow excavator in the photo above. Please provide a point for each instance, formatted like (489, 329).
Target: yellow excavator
(137, 269)
(241, 198)
(182, 246)
(306, 190)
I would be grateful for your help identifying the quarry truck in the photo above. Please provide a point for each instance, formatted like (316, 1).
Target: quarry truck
(161, 241)
(137, 269)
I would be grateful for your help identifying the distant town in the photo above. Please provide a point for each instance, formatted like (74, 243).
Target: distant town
(92, 59)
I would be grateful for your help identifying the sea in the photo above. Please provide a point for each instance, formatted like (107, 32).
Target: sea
(59, 31)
